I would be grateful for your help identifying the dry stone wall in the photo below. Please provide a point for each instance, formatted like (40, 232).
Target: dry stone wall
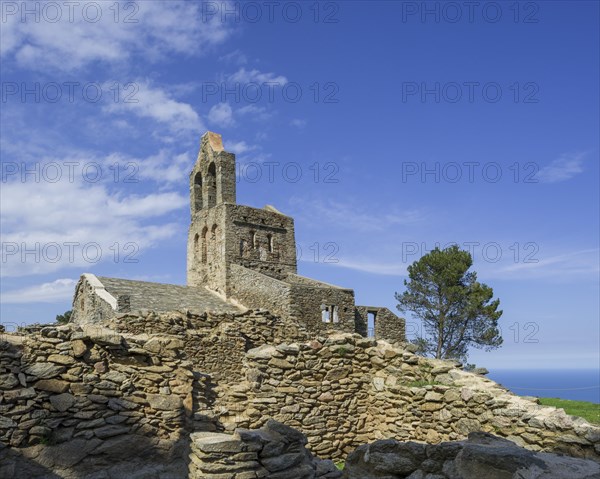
(75, 401)
(215, 343)
(276, 451)
(123, 398)
(346, 390)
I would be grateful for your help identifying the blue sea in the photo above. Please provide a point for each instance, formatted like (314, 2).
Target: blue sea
(579, 385)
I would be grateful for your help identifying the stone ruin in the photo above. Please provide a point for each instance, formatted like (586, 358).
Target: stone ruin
(238, 258)
(179, 395)
(160, 381)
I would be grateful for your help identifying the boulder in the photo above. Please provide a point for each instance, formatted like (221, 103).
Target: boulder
(482, 455)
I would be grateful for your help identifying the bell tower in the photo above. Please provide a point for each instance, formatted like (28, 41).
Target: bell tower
(212, 186)
(212, 181)
(224, 234)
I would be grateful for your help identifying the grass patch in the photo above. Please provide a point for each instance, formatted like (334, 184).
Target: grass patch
(342, 351)
(340, 465)
(587, 410)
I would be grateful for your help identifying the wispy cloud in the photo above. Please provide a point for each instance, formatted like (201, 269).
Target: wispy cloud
(354, 216)
(239, 147)
(374, 267)
(54, 292)
(298, 123)
(256, 76)
(254, 112)
(156, 104)
(221, 115)
(236, 57)
(45, 218)
(562, 169)
(558, 266)
(150, 30)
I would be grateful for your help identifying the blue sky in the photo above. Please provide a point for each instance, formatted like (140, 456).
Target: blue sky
(384, 128)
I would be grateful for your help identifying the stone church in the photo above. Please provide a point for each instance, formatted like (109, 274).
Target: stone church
(238, 258)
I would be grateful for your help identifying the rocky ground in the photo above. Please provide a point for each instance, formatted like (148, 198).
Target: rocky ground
(481, 456)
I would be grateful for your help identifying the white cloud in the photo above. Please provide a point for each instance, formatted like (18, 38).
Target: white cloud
(239, 147)
(254, 112)
(44, 218)
(54, 292)
(298, 123)
(236, 57)
(221, 115)
(156, 104)
(561, 169)
(150, 30)
(256, 76)
(166, 167)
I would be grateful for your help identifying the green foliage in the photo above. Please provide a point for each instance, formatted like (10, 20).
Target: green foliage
(47, 440)
(64, 318)
(342, 351)
(340, 465)
(587, 410)
(457, 312)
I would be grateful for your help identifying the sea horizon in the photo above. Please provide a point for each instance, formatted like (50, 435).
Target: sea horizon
(573, 384)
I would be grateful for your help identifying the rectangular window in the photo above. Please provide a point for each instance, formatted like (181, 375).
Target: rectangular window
(371, 324)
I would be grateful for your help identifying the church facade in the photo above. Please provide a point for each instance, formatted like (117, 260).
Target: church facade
(238, 258)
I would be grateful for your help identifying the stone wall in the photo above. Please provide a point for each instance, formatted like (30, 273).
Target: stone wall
(345, 390)
(276, 451)
(74, 401)
(215, 343)
(124, 400)
(255, 290)
(307, 298)
(206, 265)
(92, 303)
(388, 326)
(261, 239)
(297, 298)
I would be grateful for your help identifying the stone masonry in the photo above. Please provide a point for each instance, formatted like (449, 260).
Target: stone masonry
(156, 395)
(238, 258)
(157, 381)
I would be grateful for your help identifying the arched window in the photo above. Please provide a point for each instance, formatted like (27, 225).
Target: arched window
(204, 241)
(214, 247)
(254, 239)
(196, 244)
(197, 192)
(270, 242)
(211, 186)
